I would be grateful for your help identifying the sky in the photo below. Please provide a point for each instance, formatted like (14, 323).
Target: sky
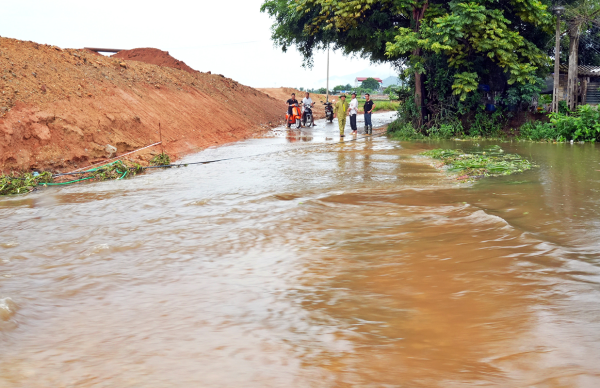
(225, 37)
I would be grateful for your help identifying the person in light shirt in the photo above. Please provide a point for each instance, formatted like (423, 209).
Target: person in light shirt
(352, 112)
(307, 101)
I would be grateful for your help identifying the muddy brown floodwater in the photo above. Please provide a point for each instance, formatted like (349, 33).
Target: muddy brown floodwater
(347, 265)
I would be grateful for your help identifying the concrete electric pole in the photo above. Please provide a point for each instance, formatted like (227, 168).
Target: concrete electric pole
(558, 10)
(327, 98)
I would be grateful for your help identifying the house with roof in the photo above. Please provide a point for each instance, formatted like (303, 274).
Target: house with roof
(588, 90)
(359, 81)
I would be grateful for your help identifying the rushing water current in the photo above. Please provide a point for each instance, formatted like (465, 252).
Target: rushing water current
(341, 265)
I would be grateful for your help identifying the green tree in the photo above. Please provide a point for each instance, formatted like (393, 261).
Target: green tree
(370, 83)
(340, 88)
(580, 16)
(470, 36)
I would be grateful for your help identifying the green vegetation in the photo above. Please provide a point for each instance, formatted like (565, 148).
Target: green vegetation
(22, 183)
(340, 88)
(492, 161)
(26, 182)
(581, 125)
(470, 66)
(161, 159)
(370, 83)
(385, 105)
(398, 130)
(466, 43)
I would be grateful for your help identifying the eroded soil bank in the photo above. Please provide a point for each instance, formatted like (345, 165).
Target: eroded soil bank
(60, 108)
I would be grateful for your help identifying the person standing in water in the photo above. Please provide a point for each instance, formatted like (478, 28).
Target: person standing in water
(352, 112)
(340, 110)
(369, 105)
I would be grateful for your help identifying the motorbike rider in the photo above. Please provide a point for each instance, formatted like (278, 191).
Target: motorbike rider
(291, 102)
(307, 102)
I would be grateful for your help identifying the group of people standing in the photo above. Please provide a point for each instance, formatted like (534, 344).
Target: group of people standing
(343, 109)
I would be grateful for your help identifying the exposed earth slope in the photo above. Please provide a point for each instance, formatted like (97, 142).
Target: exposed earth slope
(60, 108)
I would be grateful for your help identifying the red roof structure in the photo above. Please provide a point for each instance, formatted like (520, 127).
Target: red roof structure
(361, 79)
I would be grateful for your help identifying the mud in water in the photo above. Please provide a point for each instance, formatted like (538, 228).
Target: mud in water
(347, 265)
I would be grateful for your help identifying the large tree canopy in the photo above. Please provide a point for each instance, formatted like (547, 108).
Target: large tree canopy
(470, 35)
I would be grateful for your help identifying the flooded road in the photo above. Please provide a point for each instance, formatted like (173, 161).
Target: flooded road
(346, 265)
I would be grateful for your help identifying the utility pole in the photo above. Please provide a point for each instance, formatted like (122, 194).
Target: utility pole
(558, 10)
(327, 98)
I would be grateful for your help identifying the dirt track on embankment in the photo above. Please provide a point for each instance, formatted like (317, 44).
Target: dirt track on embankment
(60, 108)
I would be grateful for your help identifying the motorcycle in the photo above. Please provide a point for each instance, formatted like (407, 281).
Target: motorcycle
(295, 118)
(307, 117)
(328, 111)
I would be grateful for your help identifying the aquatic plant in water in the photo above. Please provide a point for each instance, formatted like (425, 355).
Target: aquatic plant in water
(22, 183)
(26, 182)
(492, 161)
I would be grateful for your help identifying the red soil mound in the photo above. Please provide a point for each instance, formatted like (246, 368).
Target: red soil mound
(154, 57)
(59, 109)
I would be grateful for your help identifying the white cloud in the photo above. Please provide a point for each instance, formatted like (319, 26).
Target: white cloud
(231, 38)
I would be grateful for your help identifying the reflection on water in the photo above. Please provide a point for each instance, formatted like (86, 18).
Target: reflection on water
(349, 265)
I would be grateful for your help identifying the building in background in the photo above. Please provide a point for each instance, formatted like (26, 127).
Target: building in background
(359, 80)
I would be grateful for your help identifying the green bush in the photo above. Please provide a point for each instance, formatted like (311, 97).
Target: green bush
(538, 131)
(487, 124)
(446, 130)
(583, 124)
(399, 130)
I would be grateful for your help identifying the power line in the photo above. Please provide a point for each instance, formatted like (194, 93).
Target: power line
(589, 42)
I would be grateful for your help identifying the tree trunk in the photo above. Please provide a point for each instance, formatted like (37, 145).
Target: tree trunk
(572, 81)
(556, 86)
(418, 14)
(419, 97)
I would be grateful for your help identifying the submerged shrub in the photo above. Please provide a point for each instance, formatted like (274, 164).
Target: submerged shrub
(22, 183)
(492, 161)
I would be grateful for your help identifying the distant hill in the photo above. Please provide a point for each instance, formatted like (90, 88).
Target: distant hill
(391, 80)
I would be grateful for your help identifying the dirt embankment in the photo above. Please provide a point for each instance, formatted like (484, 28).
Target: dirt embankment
(154, 57)
(60, 108)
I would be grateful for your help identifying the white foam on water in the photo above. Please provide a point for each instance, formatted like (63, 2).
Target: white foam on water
(8, 308)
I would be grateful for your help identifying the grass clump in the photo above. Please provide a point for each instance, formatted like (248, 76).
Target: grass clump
(398, 130)
(492, 161)
(161, 159)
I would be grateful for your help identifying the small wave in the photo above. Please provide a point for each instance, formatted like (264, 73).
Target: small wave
(8, 308)
(482, 217)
